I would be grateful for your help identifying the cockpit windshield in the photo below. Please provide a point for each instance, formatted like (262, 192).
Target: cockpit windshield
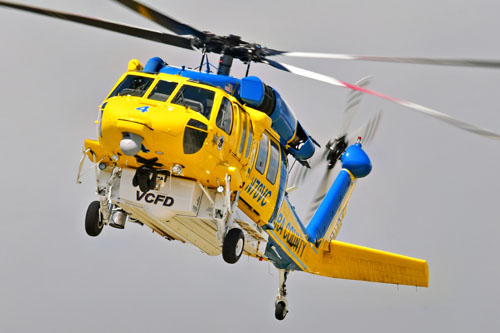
(132, 85)
(162, 91)
(195, 98)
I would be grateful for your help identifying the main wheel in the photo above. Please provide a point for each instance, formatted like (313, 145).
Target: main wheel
(93, 219)
(280, 310)
(233, 245)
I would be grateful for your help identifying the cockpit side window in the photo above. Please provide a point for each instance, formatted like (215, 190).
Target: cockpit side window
(162, 91)
(133, 85)
(260, 165)
(274, 162)
(196, 98)
(225, 116)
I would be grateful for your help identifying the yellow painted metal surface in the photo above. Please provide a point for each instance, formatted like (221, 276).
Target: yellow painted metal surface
(162, 127)
(348, 261)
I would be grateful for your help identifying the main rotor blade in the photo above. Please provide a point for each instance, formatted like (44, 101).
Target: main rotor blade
(152, 35)
(162, 19)
(416, 107)
(410, 60)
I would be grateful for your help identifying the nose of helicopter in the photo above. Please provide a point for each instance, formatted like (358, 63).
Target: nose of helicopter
(131, 143)
(130, 129)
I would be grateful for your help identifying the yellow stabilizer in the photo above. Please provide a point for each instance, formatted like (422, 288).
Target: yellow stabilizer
(348, 261)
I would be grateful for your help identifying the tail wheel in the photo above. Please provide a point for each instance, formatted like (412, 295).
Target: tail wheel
(93, 219)
(280, 310)
(233, 245)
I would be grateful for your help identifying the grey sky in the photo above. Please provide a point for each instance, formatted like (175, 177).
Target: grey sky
(433, 192)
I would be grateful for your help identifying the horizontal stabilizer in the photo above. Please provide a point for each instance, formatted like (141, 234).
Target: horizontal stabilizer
(348, 261)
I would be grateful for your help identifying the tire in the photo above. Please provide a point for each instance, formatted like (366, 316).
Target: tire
(93, 219)
(280, 311)
(233, 245)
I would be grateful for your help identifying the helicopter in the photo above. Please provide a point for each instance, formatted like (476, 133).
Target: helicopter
(152, 175)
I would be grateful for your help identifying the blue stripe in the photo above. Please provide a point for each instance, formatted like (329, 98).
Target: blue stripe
(328, 208)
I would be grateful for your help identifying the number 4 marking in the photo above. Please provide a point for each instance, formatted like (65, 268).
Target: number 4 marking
(143, 109)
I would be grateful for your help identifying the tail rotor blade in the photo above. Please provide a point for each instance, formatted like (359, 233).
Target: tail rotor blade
(352, 105)
(302, 172)
(320, 194)
(366, 131)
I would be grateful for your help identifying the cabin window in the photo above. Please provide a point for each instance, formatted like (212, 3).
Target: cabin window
(162, 91)
(260, 165)
(225, 116)
(243, 132)
(197, 99)
(274, 162)
(132, 85)
(249, 139)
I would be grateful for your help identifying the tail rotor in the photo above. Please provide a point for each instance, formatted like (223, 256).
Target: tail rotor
(336, 147)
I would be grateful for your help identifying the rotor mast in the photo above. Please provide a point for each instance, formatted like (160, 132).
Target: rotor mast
(225, 63)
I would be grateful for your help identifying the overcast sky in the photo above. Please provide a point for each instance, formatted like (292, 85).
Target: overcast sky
(433, 192)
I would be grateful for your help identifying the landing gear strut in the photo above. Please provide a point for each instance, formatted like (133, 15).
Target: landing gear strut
(280, 303)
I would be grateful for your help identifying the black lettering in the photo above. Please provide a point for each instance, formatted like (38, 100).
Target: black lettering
(169, 201)
(139, 195)
(303, 248)
(149, 197)
(159, 197)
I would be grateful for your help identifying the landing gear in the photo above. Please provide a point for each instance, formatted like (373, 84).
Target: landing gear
(233, 245)
(118, 219)
(280, 310)
(93, 219)
(280, 303)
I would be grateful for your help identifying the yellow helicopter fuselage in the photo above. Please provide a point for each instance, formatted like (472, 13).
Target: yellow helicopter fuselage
(168, 130)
